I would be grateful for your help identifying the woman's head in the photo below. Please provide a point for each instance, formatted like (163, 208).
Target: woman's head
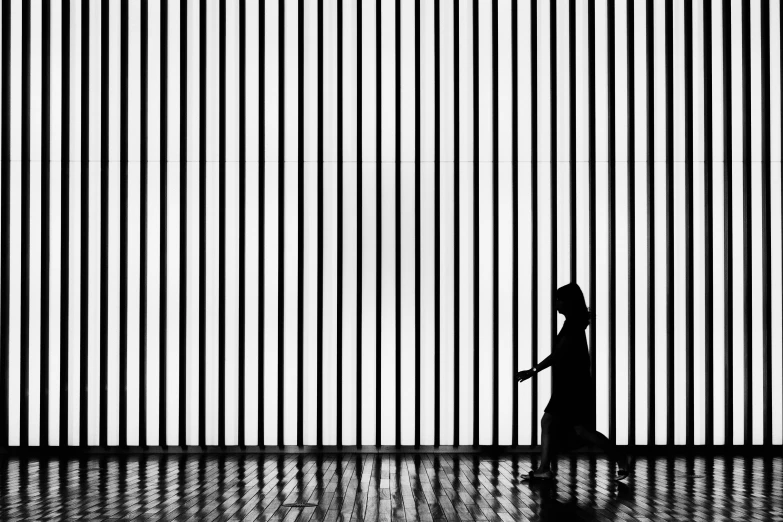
(570, 302)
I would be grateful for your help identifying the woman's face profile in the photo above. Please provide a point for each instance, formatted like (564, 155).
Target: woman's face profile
(559, 306)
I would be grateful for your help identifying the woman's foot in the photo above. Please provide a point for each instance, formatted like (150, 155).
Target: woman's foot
(623, 468)
(540, 474)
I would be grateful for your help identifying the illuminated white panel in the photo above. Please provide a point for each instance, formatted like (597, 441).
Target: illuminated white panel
(192, 303)
(738, 360)
(94, 306)
(544, 109)
(212, 309)
(289, 289)
(153, 303)
(601, 324)
(427, 304)
(113, 307)
(447, 303)
(349, 292)
(621, 90)
(718, 310)
(525, 361)
(193, 86)
(485, 297)
(254, 70)
(14, 296)
(35, 228)
(134, 285)
(640, 291)
(368, 46)
(212, 84)
(466, 305)
(387, 80)
(680, 370)
(272, 288)
(311, 86)
(254, 328)
(74, 284)
(465, 80)
(524, 94)
(75, 75)
(582, 100)
(640, 84)
(370, 319)
(427, 79)
(757, 316)
(485, 93)
(387, 317)
(55, 278)
(232, 302)
(310, 301)
(621, 302)
(408, 307)
(94, 86)
(505, 317)
(699, 299)
(350, 81)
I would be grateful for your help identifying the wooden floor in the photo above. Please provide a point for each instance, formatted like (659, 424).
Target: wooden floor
(387, 487)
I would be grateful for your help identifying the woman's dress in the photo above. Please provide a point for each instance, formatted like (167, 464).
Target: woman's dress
(571, 402)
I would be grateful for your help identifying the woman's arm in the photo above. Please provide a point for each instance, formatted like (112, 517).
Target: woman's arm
(556, 353)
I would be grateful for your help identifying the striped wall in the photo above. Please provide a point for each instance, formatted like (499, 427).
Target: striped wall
(338, 222)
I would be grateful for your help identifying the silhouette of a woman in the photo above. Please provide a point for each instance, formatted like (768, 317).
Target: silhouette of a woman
(571, 403)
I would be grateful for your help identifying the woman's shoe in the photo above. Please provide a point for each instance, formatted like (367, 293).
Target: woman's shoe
(623, 469)
(535, 475)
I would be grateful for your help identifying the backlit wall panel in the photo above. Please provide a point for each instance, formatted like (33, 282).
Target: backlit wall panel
(333, 222)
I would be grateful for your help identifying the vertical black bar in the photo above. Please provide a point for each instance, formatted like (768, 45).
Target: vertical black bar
(261, 221)
(669, 226)
(689, 340)
(222, 226)
(417, 218)
(24, 363)
(320, 232)
(104, 336)
(242, 218)
(397, 227)
(164, 198)
(572, 135)
(766, 222)
(359, 224)
(747, 254)
(65, 213)
(84, 311)
(378, 222)
(143, 228)
(124, 224)
(339, 222)
(300, 235)
(650, 48)
(476, 173)
(611, 316)
(437, 222)
(708, 226)
(456, 225)
(202, 227)
(45, 216)
(728, 239)
(4, 227)
(553, 169)
(281, 229)
(495, 225)
(515, 219)
(183, 216)
(591, 147)
(534, 217)
(631, 226)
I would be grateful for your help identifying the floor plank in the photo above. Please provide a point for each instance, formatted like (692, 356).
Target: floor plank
(388, 487)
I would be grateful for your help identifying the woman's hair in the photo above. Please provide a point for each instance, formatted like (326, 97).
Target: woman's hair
(574, 306)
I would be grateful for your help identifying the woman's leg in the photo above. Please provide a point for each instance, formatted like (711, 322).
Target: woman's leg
(546, 443)
(602, 441)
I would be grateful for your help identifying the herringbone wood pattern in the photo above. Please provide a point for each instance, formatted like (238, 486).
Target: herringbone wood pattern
(387, 487)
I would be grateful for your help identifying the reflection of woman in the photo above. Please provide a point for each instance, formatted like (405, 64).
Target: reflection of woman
(571, 403)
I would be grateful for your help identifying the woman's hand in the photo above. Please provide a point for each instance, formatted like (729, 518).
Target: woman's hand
(525, 375)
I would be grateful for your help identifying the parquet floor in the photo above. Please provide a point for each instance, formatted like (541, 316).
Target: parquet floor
(386, 487)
